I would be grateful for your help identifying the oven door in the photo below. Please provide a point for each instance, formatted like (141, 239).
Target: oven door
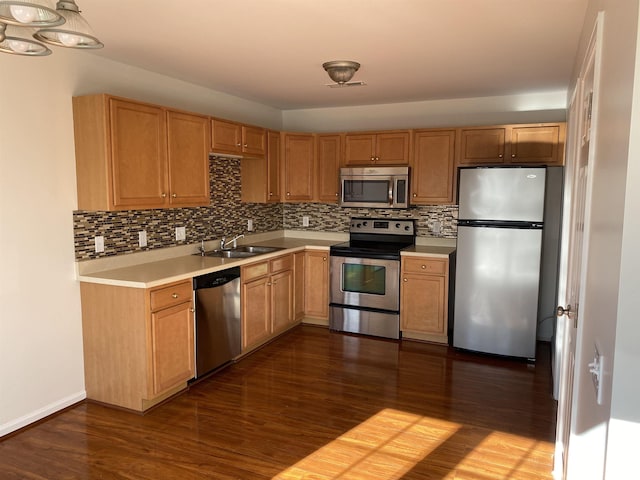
(365, 283)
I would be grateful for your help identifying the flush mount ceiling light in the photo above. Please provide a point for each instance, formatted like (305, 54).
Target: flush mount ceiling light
(341, 71)
(62, 27)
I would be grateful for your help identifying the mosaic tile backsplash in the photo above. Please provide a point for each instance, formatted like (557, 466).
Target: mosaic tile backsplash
(226, 215)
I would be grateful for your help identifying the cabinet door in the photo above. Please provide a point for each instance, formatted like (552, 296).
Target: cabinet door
(273, 167)
(254, 141)
(138, 155)
(298, 167)
(316, 299)
(432, 167)
(189, 143)
(359, 149)
(328, 167)
(281, 301)
(392, 148)
(482, 146)
(226, 137)
(539, 145)
(298, 285)
(172, 359)
(256, 312)
(423, 303)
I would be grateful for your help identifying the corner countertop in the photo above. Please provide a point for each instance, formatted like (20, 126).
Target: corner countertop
(152, 269)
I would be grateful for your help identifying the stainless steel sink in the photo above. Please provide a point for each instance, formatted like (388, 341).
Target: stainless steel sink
(241, 251)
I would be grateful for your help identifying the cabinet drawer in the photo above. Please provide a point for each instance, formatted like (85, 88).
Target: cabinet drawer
(255, 270)
(424, 265)
(281, 263)
(171, 295)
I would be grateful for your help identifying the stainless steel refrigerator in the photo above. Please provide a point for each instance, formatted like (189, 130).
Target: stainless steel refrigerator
(499, 253)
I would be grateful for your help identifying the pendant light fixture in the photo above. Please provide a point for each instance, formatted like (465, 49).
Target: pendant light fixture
(15, 45)
(34, 13)
(74, 33)
(62, 26)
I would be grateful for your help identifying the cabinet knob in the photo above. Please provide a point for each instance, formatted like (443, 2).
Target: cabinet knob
(377, 158)
(423, 267)
(404, 280)
(513, 155)
(288, 194)
(324, 259)
(415, 195)
(373, 159)
(174, 195)
(163, 195)
(174, 295)
(238, 144)
(500, 156)
(268, 284)
(191, 310)
(246, 145)
(337, 194)
(271, 194)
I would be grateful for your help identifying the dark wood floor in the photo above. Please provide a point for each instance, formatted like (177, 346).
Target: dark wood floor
(315, 405)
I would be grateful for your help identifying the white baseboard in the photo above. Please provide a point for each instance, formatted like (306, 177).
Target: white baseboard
(41, 413)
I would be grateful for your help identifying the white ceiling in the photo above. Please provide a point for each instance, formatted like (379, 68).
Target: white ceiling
(271, 51)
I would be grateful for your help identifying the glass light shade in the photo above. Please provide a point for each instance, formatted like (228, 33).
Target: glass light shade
(15, 45)
(75, 33)
(34, 13)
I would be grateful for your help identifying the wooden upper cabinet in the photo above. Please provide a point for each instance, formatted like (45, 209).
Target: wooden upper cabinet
(433, 167)
(237, 139)
(298, 152)
(540, 144)
(482, 146)
(138, 142)
(274, 193)
(328, 167)
(384, 148)
(537, 144)
(188, 149)
(132, 155)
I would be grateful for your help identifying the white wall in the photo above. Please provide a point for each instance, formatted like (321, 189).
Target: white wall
(41, 363)
(624, 425)
(603, 318)
(531, 108)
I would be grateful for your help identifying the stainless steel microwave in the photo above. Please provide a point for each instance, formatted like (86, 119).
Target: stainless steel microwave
(374, 187)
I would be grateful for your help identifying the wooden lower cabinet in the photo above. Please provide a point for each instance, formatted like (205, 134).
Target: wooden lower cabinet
(316, 294)
(424, 298)
(267, 300)
(138, 343)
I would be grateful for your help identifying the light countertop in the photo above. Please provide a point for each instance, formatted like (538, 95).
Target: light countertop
(152, 270)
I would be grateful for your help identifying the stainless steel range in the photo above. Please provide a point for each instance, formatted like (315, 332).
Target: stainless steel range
(365, 277)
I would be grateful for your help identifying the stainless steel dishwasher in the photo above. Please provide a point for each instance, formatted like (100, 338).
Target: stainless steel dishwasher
(217, 319)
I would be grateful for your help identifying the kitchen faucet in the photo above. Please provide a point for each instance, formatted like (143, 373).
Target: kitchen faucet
(224, 244)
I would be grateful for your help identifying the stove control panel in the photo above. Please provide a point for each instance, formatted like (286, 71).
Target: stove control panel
(383, 225)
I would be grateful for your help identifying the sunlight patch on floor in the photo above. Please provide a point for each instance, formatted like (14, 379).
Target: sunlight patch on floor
(387, 445)
(392, 443)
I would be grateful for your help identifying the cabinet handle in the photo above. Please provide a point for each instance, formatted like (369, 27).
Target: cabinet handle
(271, 194)
(513, 155)
(337, 194)
(373, 159)
(163, 195)
(415, 195)
(191, 310)
(424, 266)
(404, 280)
(268, 284)
(500, 156)
(377, 158)
(324, 259)
(238, 144)
(288, 194)
(246, 145)
(174, 295)
(174, 195)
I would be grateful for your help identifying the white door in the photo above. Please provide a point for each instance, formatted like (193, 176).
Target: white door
(578, 184)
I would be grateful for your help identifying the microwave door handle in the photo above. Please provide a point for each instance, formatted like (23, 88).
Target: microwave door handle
(391, 192)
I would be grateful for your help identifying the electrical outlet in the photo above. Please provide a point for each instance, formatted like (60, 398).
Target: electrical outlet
(305, 221)
(142, 238)
(436, 227)
(249, 225)
(99, 242)
(181, 233)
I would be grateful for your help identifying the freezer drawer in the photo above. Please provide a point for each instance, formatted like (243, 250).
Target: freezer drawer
(497, 282)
